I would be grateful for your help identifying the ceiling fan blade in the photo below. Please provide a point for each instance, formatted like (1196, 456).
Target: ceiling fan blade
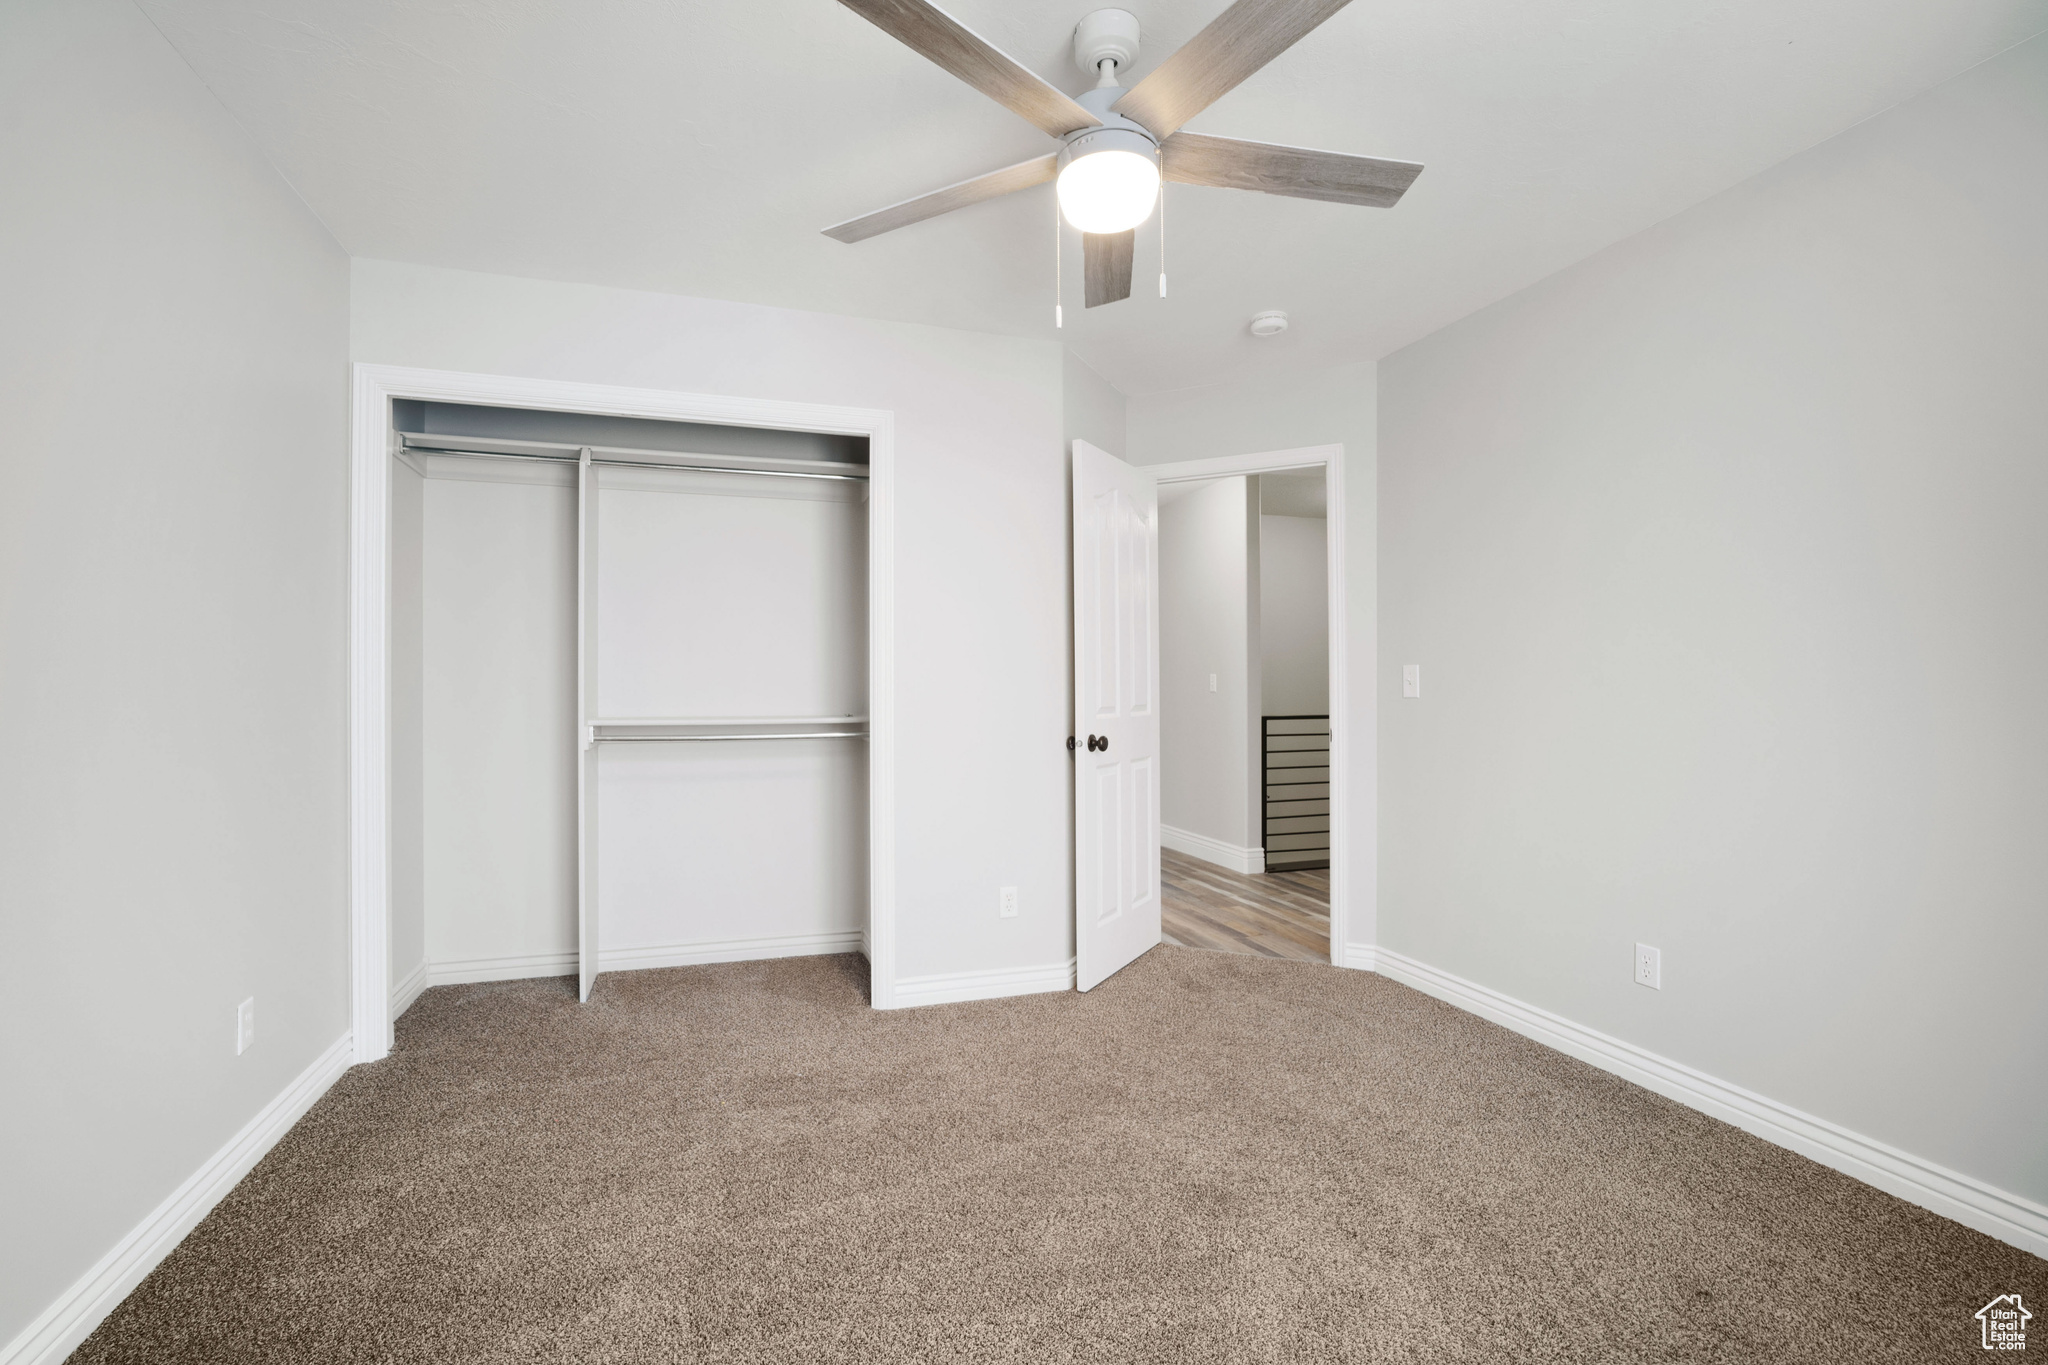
(1106, 258)
(927, 29)
(1196, 159)
(1236, 43)
(994, 185)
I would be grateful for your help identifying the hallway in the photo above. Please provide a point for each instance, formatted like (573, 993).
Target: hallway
(1279, 914)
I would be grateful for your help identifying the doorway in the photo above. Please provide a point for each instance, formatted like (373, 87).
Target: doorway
(1251, 704)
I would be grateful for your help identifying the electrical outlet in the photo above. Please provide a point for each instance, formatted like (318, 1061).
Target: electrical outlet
(1006, 905)
(1411, 680)
(1212, 682)
(1649, 967)
(245, 1026)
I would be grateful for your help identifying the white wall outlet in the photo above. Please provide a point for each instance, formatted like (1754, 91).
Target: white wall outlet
(1006, 904)
(245, 1026)
(1649, 967)
(1411, 680)
(1212, 682)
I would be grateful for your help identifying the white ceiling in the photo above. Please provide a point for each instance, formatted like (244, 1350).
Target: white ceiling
(697, 146)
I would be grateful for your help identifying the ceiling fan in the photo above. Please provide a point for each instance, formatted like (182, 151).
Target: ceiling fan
(1118, 144)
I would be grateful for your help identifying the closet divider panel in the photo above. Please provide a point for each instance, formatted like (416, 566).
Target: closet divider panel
(589, 584)
(734, 601)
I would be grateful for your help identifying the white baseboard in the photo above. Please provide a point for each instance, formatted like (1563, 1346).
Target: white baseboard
(520, 967)
(408, 990)
(952, 987)
(462, 971)
(1361, 957)
(2011, 1218)
(82, 1307)
(1249, 861)
(729, 950)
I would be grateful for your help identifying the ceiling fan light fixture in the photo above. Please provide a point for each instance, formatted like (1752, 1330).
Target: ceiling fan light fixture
(1111, 188)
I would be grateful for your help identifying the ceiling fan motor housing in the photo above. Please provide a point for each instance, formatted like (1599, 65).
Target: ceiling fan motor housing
(1117, 133)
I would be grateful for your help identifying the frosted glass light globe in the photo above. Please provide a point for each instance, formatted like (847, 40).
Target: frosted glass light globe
(1108, 191)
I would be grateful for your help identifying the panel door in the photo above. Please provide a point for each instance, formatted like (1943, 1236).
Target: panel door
(1116, 714)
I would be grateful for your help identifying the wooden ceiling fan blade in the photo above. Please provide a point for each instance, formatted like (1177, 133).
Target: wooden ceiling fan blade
(927, 29)
(1299, 172)
(1236, 43)
(994, 185)
(1106, 262)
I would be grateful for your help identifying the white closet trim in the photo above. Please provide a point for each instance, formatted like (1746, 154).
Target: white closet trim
(371, 449)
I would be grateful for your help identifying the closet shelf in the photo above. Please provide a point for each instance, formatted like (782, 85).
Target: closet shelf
(723, 722)
(642, 730)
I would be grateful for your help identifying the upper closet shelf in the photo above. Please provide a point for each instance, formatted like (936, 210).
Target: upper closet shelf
(492, 447)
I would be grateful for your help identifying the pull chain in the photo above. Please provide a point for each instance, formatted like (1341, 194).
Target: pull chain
(1058, 315)
(1162, 239)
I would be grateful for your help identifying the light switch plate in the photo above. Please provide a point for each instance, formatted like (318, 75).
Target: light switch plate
(1649, 967)
(1411, 680)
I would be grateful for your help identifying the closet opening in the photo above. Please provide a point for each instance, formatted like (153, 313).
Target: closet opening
(628, 693)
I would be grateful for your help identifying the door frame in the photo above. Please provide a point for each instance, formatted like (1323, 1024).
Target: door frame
(1346, 910)
(369, 648)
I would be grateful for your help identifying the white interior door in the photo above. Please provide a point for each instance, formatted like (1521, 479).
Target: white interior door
(1116, 713)
(586, 713)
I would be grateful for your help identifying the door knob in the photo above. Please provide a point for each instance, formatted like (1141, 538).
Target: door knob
(1096, 742)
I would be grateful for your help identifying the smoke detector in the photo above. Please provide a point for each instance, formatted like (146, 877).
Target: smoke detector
(1270, 323)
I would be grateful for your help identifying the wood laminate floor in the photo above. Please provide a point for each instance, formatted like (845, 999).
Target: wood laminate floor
(1276, 914)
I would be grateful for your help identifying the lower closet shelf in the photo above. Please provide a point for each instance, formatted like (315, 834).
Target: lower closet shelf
(784, 734)
(681, 731)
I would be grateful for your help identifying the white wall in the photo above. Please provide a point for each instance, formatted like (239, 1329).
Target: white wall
(173, 341)
(1723, 556)
(982, 561)
(497, 819)
(1093, 410)
(1294, 616)
(1207, 627)
(728, 597)
(1301, 408)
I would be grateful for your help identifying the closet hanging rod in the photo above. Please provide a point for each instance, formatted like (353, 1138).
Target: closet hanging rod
(734, 722)
(641, 464)
(502, 448)
(693, 739)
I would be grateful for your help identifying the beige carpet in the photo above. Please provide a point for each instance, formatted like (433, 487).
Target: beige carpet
(1209, 1158)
